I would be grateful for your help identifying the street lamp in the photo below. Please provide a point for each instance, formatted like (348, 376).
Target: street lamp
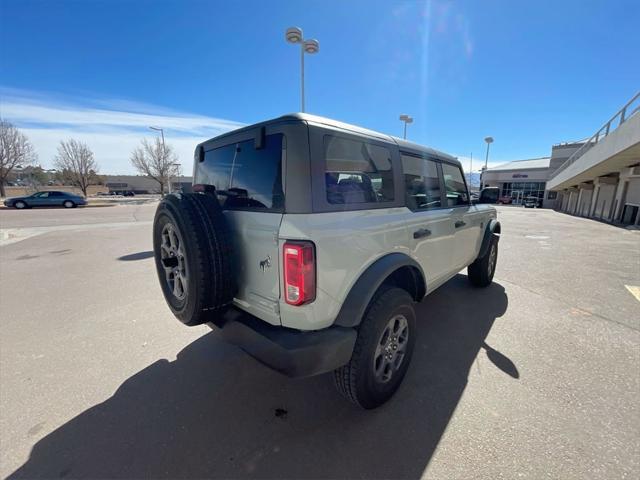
(489, 141)
(294, 35)
(406, 119)
(164, 150)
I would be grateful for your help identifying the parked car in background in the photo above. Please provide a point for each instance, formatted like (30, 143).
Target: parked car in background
(531, 202)
(46, 199)
(505, 200)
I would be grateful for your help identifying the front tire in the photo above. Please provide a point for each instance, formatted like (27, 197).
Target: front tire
(383, 350)
(20, 205)
(481, 271)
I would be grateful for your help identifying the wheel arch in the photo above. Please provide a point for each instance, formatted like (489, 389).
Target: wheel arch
(397, 269)
(493, 230)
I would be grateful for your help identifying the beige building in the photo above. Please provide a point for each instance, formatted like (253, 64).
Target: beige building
(140, 184)
(602, 178)
(520, 179)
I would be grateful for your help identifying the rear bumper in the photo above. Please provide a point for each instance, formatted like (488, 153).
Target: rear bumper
(294, 353)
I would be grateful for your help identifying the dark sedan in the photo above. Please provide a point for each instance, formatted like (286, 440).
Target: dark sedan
(46, 199)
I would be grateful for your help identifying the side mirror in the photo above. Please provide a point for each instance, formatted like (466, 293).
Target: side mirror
(489, 195)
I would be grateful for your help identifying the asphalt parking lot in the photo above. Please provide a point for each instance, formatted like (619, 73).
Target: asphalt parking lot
(537, 376)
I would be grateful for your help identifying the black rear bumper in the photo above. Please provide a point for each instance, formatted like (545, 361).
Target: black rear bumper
(292, 352)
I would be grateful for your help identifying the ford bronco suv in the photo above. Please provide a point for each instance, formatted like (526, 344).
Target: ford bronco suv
(307, 241)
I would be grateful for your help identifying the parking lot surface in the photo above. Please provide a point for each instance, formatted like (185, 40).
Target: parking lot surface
(536, 376)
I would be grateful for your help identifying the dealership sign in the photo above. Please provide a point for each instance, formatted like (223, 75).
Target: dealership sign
(519, 175)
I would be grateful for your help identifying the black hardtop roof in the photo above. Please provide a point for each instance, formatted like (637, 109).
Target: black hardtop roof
(317, 120)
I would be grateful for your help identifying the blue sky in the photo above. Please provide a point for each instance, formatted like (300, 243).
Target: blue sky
(528, 73)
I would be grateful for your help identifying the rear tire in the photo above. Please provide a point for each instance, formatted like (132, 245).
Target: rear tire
(481, 271)
(193, 255)
(382, 353)
(68, 204)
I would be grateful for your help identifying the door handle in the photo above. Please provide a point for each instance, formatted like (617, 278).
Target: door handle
(423, 232)
(459, 224)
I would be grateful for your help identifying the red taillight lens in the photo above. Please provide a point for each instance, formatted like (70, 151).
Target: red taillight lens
(299, 273)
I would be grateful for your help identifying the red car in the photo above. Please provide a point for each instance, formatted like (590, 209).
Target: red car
(506, 200)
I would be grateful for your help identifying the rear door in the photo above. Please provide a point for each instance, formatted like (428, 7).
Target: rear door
(246, 170)
(429, 223)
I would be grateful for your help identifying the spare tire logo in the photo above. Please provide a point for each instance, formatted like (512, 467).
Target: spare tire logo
(266, 263)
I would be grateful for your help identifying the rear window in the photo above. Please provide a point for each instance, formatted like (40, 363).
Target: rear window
(244, 177)
(357, 172)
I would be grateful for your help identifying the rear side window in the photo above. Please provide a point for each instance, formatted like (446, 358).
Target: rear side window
(454, 185)
(357, 172)
(422, 183)
(245, 177)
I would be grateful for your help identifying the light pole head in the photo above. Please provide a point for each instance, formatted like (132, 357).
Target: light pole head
(488, 139)
(158, 129)
(293, 35)
(311, 46)
(406, 118)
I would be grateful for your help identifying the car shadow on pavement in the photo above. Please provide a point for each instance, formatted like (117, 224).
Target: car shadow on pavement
(136, 256)
(215, 412)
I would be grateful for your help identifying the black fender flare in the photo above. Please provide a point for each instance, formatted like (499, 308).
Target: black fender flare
(362, 292)
(492, 230)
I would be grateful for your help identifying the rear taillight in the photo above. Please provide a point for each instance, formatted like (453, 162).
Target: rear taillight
(299, 273)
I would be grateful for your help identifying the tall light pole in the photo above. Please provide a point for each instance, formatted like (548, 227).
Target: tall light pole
(489, 141)
(164, 150)
(406, 119)
(294, 35)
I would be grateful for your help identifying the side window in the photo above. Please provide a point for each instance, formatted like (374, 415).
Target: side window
(357, 172)
(422, 184)
(55, 194)
(454, 184)
(244, 176)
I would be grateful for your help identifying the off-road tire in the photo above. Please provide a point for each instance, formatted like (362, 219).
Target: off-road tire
(481, 271)
(357, 380)
(206, 244)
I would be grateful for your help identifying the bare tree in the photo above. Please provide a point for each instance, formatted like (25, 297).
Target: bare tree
(15, 150)
(75, 160)
(156, 160)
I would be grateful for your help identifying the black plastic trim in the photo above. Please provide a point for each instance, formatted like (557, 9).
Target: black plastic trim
(362, 292)
(489, 232)
(294, 353)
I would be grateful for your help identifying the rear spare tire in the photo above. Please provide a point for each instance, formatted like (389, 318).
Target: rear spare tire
(193, 255)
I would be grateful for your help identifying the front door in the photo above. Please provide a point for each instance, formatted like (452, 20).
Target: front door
(429, 223)
(516, 197)
(464, 217)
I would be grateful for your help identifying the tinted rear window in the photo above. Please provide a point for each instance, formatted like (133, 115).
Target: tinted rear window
(357, 172)
(243, 176)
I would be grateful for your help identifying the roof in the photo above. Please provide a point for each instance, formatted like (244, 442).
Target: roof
(346, 126)
(528, 164)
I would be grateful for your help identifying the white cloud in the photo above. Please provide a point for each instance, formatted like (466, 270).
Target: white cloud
(112, 128)
(478, 163)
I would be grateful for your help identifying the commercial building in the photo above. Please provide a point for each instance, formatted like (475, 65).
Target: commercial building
(520, 179)
(601, 179)
(140, 184)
